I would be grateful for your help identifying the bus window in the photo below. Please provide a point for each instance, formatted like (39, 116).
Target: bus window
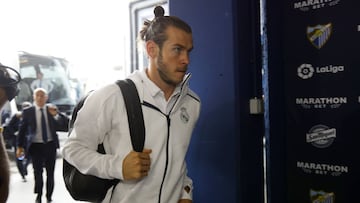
(46, 72)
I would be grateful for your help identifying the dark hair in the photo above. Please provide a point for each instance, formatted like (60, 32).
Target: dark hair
(155, 29)
(9, 79)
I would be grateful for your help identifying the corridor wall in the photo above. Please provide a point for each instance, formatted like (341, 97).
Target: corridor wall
(225, 156)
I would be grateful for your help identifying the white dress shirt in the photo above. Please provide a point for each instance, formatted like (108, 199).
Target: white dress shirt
(38, 138)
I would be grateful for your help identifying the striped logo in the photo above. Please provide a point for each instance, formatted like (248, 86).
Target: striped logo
(322, 197)
(318, 35)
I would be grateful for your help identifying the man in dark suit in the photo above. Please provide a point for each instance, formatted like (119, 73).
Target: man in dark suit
(11, 129)
(41, 122)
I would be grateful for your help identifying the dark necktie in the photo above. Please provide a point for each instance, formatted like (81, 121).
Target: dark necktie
(43, 126)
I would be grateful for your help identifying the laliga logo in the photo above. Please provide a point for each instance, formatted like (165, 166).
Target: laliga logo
(305, 71)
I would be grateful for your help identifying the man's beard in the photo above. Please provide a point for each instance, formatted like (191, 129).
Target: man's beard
(161, 68)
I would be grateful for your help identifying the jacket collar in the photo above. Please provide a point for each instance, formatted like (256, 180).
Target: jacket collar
(140, 77)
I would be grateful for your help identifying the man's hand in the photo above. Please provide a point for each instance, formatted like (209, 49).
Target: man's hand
(185, 201)
(18, 114)
(19, 152)
(53, 110)
(136, 165)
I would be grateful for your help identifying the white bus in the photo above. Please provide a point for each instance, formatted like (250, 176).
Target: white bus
(54, 72)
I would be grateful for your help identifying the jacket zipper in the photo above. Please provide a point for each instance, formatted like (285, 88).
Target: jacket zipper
(167, 156)
(167, 145)
(168, 132)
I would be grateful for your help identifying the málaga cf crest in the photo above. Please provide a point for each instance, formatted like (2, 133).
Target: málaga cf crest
(318, 35)
(322, 197)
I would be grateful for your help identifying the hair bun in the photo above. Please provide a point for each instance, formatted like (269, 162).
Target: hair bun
(159, 11)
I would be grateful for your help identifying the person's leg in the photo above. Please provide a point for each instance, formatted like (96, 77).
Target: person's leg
(27, 162)
(37, 153)
(27, 156)
(50, 167)
(20, 165)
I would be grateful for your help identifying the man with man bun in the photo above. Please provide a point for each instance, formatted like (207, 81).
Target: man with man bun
(170, 110)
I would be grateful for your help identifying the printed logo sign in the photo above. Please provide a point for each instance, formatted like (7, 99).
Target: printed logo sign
(314, 4)
(322, 168)
(306, 71)
(321, 197)
(318, 35)
(321, 102)
(321, 136)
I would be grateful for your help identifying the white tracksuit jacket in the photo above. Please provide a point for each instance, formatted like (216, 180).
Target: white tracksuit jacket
(103, 118)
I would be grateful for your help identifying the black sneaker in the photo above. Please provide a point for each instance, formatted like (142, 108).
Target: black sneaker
(38, 199)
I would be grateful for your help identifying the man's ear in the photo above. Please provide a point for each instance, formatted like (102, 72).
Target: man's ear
(152, 49)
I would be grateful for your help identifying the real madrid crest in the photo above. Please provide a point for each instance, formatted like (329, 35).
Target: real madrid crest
(318, 35)
(184, 116)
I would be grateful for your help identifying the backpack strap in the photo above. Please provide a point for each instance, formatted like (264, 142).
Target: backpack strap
(134, 113)
(75, 111)
(135, 116)
(80, 185)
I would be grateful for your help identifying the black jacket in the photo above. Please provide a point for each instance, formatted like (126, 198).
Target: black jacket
(28, 126)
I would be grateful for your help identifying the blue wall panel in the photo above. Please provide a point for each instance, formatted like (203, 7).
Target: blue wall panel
(213, 150)
(225, 154)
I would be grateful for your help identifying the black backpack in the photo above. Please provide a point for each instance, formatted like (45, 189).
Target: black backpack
(91, 188)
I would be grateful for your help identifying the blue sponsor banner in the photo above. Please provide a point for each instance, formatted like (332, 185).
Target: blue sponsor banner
(321, 41)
